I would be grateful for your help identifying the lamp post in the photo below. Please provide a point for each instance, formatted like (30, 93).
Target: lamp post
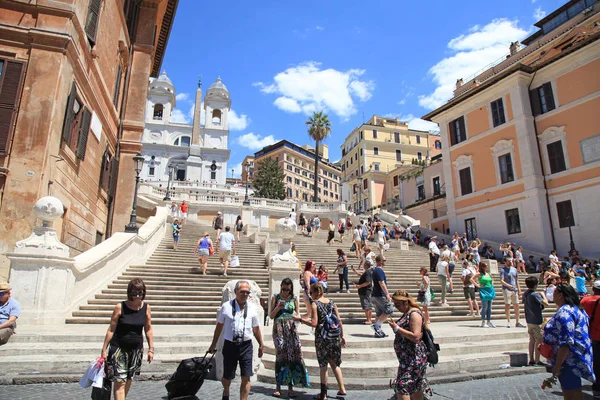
(572, 251)
(138, 163)
(246, 200)
(170, 169)
(360, 200)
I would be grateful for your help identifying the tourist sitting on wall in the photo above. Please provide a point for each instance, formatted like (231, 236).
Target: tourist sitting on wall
(10, 310)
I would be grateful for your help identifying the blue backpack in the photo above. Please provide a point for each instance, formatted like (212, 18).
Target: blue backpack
(332, 327)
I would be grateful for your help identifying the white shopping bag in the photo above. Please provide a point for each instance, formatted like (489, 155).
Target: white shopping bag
(386, 247)
(235, 262)
(94, 375)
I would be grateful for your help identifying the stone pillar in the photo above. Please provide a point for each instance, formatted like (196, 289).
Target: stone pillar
(42, 272)
(284, 264)
(253, 301)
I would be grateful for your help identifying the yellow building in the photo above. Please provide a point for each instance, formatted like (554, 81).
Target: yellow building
(298, 164)
(375, 149)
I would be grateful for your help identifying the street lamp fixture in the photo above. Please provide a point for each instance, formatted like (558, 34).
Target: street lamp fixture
(138, 163)
(246, 200)
(170, 169)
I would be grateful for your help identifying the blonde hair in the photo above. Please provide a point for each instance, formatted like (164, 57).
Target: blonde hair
(410, 300)
(316, 287)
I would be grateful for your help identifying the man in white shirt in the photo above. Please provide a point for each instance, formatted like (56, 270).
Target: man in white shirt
(226, 243)
(554, 261)
(238, 320)
(293, 216)
(434, 254)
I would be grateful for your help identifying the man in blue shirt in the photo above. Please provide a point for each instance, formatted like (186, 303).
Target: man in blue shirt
(10, 310)
(511, 290)
(380, 297)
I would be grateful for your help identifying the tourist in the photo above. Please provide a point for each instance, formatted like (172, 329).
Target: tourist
(226, 244)
(342, 270)
(520, 261)
(331, 233)
(580, 284)
(550, 286)
(312, 227)
(548, 273)
(183, 208)
(176, 231)
(289, 366)
(534, 304)
(123, 347)
(218, 223)
(174, 210)
(411, 380)
(452, 259)
(434, 254)
(356, 236)
(329, 350)
(553, 259)
(308, 278)
(365, 291)
(474, 250)
(10, 311)
(380, 297)
(506, 251)
(292, 215)
(341, 229)
(487, 294)
(203, 251)
(238, 321)
(468, 280)
(367, 259)
(381, 239)
(530, 265)
(397, 230)
(568, 334)
(302, 223)
(239, 226)
(509, 277)
(322, 276)
(442, 272)
(317, 221)
(424, 295)
(590, 305)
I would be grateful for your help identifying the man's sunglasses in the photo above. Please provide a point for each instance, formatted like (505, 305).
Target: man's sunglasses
(2, 294)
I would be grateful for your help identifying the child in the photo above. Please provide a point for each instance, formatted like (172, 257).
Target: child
(550, 289)
(534, 303)
(580, 284)
(322, 277)
(176, 230)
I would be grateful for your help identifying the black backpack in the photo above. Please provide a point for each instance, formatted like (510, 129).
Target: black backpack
(432, 347)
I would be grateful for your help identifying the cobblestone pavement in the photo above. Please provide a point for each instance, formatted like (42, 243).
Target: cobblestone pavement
(524, 387)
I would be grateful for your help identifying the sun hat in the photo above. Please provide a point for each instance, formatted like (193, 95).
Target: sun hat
(4, 287)
(597, 284)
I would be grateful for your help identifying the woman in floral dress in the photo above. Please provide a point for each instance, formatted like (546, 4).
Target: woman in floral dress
(329, 351)
(289, 366)
(411, 382)
(568, 333)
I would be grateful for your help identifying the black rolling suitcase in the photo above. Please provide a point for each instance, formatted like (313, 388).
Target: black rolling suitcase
(189, 377)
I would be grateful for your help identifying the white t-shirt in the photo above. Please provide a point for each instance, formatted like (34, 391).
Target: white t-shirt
(226, 240)
(441, 268)
(240, 324)
(446, 253)
(293, 216)
(433, 247)
(550, 292)
(356, 234)
(467, 272)
(380, 237)
(553, 258)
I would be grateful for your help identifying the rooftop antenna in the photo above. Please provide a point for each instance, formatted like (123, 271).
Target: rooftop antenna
(363, 117)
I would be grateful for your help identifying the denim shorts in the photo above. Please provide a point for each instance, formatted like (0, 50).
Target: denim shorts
(568, 380)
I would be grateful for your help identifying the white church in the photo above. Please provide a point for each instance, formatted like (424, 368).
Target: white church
(192, 152)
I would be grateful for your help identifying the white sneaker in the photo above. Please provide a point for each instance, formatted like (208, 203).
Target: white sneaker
(508, 324)
(477, 315)
(348, 291)
(224, 273)
(470, 315)
(484, 325)
(445, 305)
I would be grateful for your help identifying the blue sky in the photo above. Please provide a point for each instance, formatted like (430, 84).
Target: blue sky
(281, 60)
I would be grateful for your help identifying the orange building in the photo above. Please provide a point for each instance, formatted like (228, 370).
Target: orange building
(73, 85)
(521, 140)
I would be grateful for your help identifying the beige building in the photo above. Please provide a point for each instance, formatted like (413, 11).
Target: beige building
(73, 83)
(375, 149)
(521, 140)
(298, 164)
(248, 175)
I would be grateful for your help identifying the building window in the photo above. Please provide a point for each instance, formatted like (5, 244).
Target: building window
(457, 131)
(289, 192)
(395, 180)
(396, 137)
(361, 135)
(365, 183)
(213, 175)
(542, 99)
(296, 181)
(438, 144)
(556, 157)
(151, 171)
(471, 228)
(304, 173)
(325, 192)
(304, 184)
(419, 155)
(11, 78)
(76, 127)
(498, 112)
(376, 166)
(418, 138)
(91, 23)
(158, 112)
(362, 169)
(336, 197)
(466, 185)
(375, 151)
(361, 152)
(420, 192)
(355, 156)
(513, 223)
(374, 133)
(325, 183)
(506, 170)
(565, 214)
(107, 160)
(437, 189)
(183, 141)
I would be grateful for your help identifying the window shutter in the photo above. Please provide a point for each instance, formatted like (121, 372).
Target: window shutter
(534, 95)
(69, 116)
(452, 133)
(91, 25)
(10, 94)
(86, 120)
(117, 91)
(463, 132)
(549, 96)
(114, 174)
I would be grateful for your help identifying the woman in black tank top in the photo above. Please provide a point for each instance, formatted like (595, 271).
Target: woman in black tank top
(123, 347)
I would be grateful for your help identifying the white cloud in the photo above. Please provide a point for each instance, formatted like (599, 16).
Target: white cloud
(254, 141)
(237, 170)
(182, 96)
(319, 28)
(179, 117)
(238, 122)
(414, 122)
(472, 52)
(538, 14)
(306, 88)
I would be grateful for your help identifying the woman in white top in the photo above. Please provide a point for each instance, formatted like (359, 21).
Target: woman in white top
(381, 240)
(520, 260)
(443, 273)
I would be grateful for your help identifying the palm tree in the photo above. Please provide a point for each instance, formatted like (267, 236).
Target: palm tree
(319, 128)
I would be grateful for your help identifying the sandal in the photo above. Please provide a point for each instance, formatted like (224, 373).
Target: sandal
(277, 394)
(292, 394)
(341, 395)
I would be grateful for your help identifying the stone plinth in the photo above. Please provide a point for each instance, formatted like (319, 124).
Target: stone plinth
(493, 265)
(283, 266)
(253, 301)
(403, 245)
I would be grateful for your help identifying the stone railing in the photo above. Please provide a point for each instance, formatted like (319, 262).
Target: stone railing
(404, 220)
(50, 285)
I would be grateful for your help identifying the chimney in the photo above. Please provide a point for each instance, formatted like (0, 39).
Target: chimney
(514, 47)
(459, 83)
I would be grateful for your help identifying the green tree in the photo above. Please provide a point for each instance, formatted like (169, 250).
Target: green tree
(268, 183)
(319, 128)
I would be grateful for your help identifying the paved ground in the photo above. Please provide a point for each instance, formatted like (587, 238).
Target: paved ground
(524, 387)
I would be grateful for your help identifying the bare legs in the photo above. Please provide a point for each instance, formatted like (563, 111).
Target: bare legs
(244, 387)
(121, 389)
(204, 262)
(337, 372)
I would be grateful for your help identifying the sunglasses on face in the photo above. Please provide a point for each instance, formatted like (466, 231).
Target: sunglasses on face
(245, 292)
(2, 294)
(137, 294)
(285, 289)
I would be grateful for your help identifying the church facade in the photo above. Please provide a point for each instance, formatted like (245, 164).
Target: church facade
(189, 152)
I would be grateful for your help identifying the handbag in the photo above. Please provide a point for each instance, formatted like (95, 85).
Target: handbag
(211, 250)
(421, 296)
(546, 350)
(353, 247)
(235, 262)
(432, 293)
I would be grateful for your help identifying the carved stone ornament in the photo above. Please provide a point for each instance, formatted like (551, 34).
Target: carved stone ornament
(285, 260)
(43, 240)
(286, 228)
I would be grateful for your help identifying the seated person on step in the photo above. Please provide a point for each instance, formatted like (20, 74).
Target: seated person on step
(10, 310)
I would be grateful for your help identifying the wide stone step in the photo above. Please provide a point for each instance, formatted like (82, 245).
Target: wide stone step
(179, 320)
